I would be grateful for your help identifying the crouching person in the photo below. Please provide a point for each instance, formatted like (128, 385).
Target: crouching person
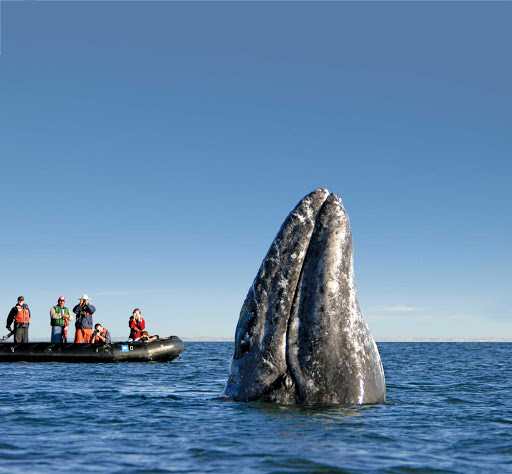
(145, 337)
(101, 335)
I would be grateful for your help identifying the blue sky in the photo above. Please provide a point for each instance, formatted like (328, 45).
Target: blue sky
(150, 152)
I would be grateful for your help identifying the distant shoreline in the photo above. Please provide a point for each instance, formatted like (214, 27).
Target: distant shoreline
(408, 340)
(450, 339)
(424, 339)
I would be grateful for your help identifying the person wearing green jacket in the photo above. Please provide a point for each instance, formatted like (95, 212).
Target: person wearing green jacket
(59, 319)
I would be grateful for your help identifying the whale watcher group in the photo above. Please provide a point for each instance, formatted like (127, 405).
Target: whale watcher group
(86, 332)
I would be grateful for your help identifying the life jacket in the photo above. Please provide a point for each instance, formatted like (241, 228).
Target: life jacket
(97, 339)
(59, 321)
(23, 315)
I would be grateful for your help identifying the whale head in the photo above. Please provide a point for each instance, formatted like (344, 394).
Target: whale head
(301, 336)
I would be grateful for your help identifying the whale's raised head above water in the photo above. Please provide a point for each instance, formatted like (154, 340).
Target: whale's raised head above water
(301, 336)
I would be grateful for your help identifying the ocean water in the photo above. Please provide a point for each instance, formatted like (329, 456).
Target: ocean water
(449, 409)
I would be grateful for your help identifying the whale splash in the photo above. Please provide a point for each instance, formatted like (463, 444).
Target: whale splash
(301, 336)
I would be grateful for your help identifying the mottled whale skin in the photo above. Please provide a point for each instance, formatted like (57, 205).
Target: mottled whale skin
(301, 336)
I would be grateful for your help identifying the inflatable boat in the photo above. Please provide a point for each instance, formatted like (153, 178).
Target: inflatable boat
(160, 350)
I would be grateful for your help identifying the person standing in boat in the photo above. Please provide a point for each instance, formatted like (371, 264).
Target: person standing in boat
(20, 316)
(101, 335)
(59, 319)
(137, 324)
(83, 323)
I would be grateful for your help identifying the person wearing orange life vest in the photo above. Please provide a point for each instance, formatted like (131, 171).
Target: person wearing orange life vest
(101, 335)
(20, 315)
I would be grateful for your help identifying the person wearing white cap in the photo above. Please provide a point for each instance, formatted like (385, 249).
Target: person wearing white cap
(59, 319)
(83, 324)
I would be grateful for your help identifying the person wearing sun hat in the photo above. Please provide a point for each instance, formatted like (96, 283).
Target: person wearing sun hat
(59, 319)
(83, 323)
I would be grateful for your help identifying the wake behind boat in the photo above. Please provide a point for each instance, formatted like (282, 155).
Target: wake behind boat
(160, 350)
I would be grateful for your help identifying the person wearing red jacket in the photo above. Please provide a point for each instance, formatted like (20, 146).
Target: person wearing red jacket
(137, 324)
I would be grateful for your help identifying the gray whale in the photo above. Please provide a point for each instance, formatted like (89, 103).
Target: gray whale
(301, 336)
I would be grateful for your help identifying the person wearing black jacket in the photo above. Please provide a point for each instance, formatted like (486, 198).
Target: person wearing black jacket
(20, 316)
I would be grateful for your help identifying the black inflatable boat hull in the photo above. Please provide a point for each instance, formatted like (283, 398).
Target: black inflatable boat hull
(161, 350)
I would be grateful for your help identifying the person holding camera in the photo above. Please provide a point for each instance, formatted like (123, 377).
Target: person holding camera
(137, 324)
(20, 316)
(83, 324)
(59, 319)
(101, 335)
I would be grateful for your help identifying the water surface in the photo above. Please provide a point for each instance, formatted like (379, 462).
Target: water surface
(449, 409)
